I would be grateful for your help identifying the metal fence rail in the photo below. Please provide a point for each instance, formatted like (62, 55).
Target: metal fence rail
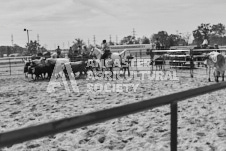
(51, 128)
(10, 65)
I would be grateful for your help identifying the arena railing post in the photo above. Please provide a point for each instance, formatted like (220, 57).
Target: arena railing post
(140, 54)
(9, 66)
(136, 60)
(173, 113)
(191, 63)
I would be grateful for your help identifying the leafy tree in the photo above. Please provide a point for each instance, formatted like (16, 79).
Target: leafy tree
(76, 43)
(129, 40)
(126, 40)
(186, 37)
(163, 38)
(18, 49)
(174, 40)
(218, 30)
(217, 34)
(214, 34)
(145, 40)
(202, 32)
(198, 37)
(32, 47)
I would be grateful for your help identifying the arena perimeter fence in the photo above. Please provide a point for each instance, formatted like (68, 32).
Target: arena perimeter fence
(14, 65)
(7, 139)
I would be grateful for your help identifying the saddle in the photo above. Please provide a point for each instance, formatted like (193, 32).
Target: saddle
(106, 55)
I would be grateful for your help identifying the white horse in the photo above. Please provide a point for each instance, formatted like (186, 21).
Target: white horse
(120, 58)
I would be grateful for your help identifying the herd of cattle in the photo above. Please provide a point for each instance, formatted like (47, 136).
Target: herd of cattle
(45, 68)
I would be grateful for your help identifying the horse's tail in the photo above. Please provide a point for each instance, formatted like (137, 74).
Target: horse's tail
(122, 52)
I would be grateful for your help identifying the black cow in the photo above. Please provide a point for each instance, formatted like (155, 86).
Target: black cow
(27, 64)
(159, 62)
(40, 70)
(79, 66)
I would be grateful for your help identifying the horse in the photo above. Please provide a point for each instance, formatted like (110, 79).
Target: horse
(121, 57)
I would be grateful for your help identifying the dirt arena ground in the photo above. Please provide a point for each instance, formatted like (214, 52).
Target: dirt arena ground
(201, 120)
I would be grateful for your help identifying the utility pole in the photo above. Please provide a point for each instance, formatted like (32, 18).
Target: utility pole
(12, 39)
(94, 39)
(27, 34)
(116, 39)
(38, 38)
(134, 33)
(38, 41)
(110, 38)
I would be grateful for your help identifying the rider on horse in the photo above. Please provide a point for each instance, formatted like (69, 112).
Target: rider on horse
(58, 52)
(106, 50)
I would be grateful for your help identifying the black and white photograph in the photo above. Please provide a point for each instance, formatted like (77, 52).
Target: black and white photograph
(120, 75)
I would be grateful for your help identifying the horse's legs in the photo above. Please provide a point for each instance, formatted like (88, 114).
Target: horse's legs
(216, 75)
(112, 74)
(223, 76)
(124, 72)
(209, 74)
(128, 72)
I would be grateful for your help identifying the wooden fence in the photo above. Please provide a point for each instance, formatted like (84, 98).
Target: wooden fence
(51, 128)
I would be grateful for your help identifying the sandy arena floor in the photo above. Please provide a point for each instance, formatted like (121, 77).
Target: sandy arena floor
(201, 125)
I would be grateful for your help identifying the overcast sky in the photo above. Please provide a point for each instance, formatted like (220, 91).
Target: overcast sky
(61, 21)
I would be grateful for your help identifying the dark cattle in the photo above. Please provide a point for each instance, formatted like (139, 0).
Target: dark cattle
(41, 70)
(79, 66)
(26, 66)
(159, 62)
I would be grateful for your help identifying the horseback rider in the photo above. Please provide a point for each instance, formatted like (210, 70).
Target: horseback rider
(58, 52)
(106, 50)
(85, 51)
(77, 51)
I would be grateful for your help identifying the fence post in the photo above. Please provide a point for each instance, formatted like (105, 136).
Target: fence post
(191, 63)
(173, 110)
(140, 54)
(9, 66)
(136, 60)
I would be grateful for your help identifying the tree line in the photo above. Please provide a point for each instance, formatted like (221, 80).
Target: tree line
(33, 47)
(214, 34)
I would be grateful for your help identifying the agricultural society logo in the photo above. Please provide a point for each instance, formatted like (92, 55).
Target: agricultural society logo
(108, 82)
